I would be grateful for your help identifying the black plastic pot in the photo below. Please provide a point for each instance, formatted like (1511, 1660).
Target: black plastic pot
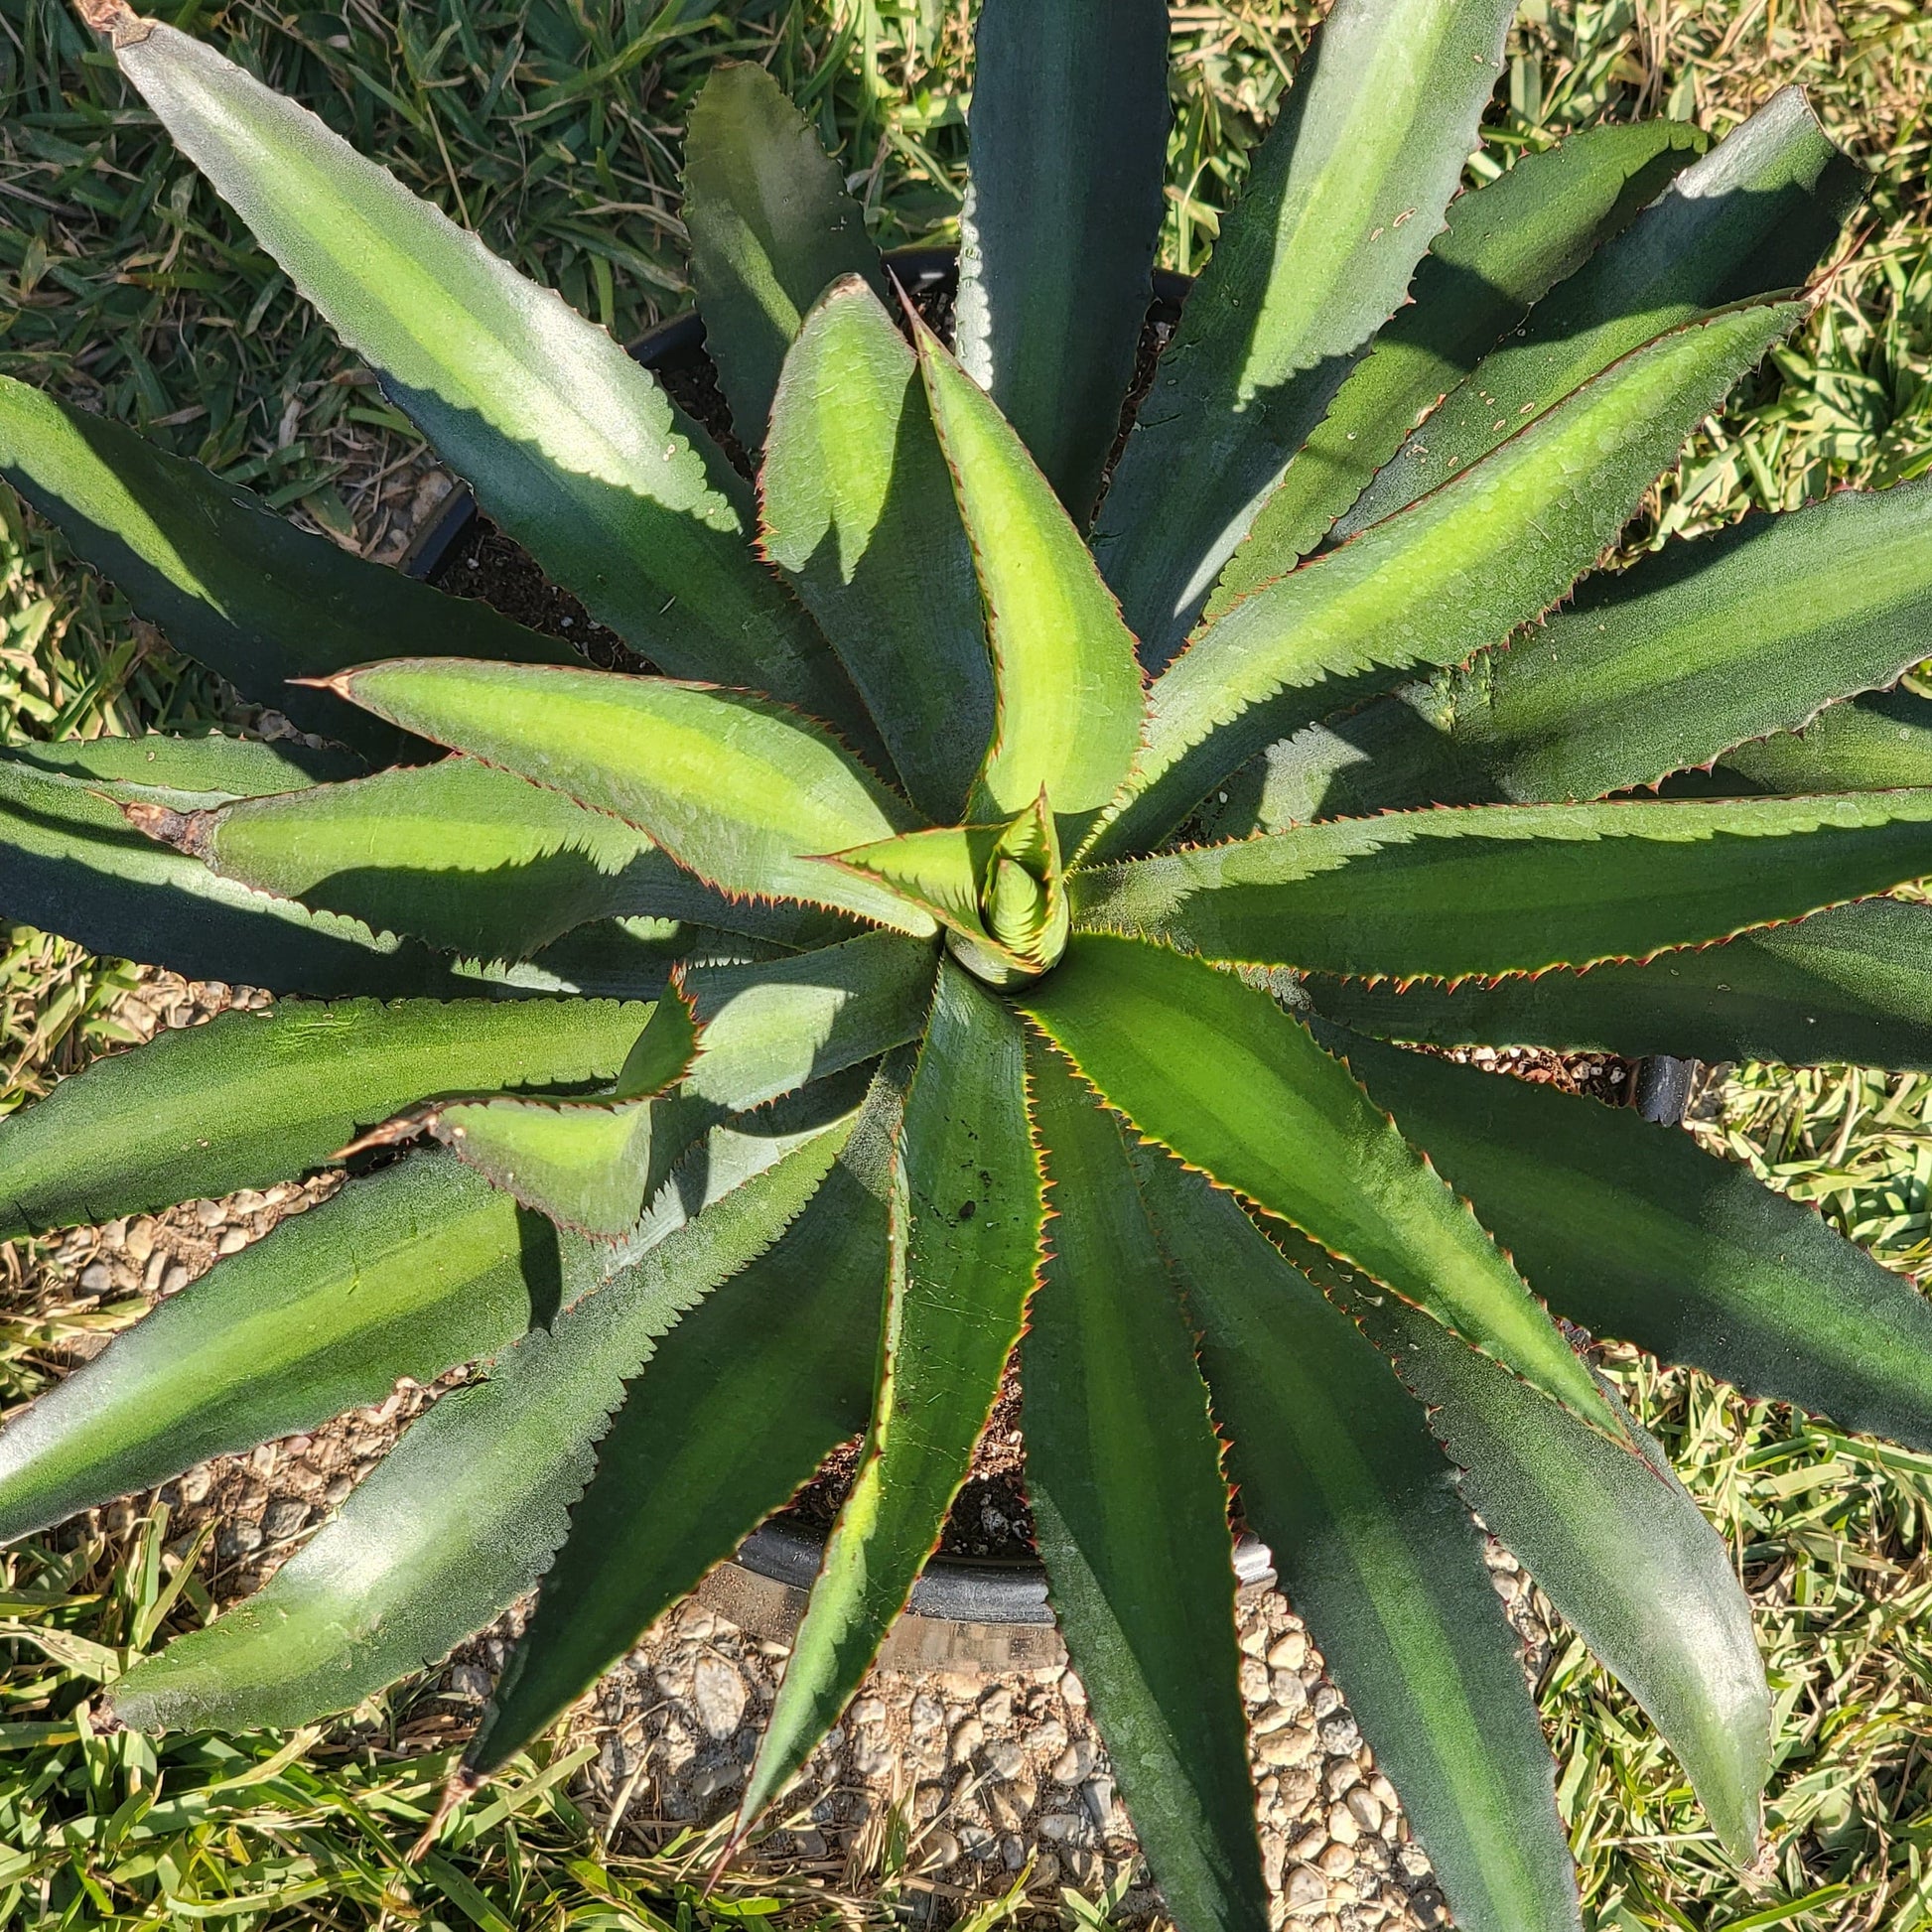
(965, 1613)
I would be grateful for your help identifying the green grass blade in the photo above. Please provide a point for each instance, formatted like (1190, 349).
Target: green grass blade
(1506, 242)
(859, 512)
(1124, 1475)
(1705, 646)
(571, 447)
(1754, 217)
(469, 1508)
(1069, 692)
(1639, 1235)
(253, 1098)
(71, 863)
(772, 228)
(1512, 889)
(461, 856)
(233, 584)
(966, 1242)
(1339, 1476)
(1853, 983)
(1491, 549)
(1069, 147)
(742, 1402)
(744, 792)
(1215, 1071)
(1343, 197)
(407, 1272)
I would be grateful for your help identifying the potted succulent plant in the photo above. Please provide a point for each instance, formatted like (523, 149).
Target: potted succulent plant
(780, 1041)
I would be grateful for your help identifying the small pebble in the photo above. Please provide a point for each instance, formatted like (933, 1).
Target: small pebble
(1289, 1652)
(1004, 1757)
(966, 1740)
(1073, 1764)
(927, 1715)
(996, 1707)
(233, 1241)
(1074, 1691)
(939, 1850)
(718, 1696)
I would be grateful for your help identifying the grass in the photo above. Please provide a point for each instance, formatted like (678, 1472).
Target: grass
(553, 127)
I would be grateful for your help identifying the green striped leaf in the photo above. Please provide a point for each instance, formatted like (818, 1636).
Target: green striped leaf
(1636, 1233)
(859, 512)
(1343, 199)
(1505, 243)
(254, 1097)
(1068, 689)
(69, 863)
(457, 854)
(1216, 1072)
(1876, 742)
(221, 575)
(1339, 1476)
(1483, 554)
(772, 228)
(967, 1215)
(1124, 1476)
(1851, 984)
(1754, 216)
(192, 770)
(1069, 149)
(408, 1273)
(740, 790)
(1618, 1547)
(742, 1400)
(468, 1509)
(1703, 646)
(571, 447)
(1512, 889)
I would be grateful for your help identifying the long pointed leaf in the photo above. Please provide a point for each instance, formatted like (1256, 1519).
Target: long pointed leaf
(1069, 149)
(1853, 983)
(966, 1242)
(1754, 217)
(1488, 551)
(1215, 1071)
(1343, 197)
(1513, 889)
(253, 1098)
(742, 1402)
(1341, 1478)
(1130, 1506)
(1636, 1233)
(207, 769)
(1505, 243)
(1873, 743)
(571, 447)
(742, 791)
(469, 1508)
(407, 1272)
(233, 584)
(771, 230)
(859, 511)
(1067, 688)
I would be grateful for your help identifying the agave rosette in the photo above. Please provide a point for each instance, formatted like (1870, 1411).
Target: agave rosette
(993, 925)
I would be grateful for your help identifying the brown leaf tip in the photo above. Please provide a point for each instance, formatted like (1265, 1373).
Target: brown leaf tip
(117, 19)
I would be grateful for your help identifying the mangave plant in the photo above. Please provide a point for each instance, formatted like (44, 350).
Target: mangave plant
(1001, 922)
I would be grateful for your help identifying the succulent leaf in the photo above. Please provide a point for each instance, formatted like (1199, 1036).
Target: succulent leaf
(1344, 194)
(1853, 983)
(191, 770)
(1213, 1070)
(740, 790)
(1489, 889)
(859, 512)
(1505, 245)
(1493, 548)
(1116, 1409)
(1339, 1476)
(468, 1509)
(572, 448)
(411, 1272)
(742, 1402)
(966, 1220)
(772, 228)
(1070, 148)
(1068, 691)
(1876, 742)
